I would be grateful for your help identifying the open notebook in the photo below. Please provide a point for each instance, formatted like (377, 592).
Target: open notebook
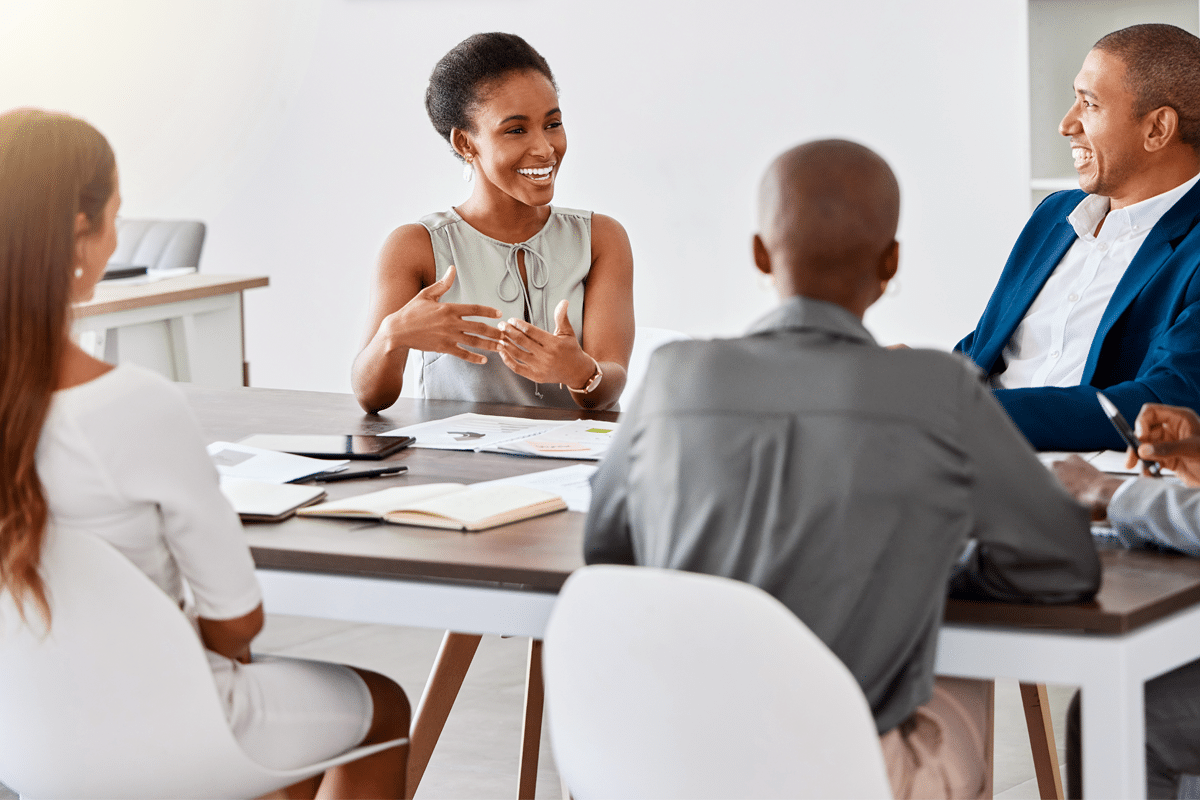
(445, 505)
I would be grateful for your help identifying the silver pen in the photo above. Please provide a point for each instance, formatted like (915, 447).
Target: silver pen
(1122, 426)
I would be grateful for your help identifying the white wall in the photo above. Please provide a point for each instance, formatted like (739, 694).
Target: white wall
(296, 129)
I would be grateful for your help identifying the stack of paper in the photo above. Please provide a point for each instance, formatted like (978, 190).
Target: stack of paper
(573, 484)
(577, 439)
(581, 439)
(271, 466)
(1110, 461)
(258, 501)
(256, 482)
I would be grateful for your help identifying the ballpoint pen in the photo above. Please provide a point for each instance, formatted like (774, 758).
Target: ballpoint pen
(1122, 426)
(330, 477)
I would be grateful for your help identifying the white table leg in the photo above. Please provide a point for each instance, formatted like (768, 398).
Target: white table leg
(1113, 746)
(182, 333)
(197, 341)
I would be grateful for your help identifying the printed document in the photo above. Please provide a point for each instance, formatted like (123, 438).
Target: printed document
(573, 484)
(269, 466)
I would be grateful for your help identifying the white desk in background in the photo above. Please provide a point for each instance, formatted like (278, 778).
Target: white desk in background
(188, 328)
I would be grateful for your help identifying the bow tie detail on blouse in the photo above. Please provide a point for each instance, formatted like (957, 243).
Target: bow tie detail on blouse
(512, 287)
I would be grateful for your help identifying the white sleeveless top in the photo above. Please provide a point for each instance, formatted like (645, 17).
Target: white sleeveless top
(557, 261)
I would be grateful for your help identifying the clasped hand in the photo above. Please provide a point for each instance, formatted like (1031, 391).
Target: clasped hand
(545, 357)
(426, 324)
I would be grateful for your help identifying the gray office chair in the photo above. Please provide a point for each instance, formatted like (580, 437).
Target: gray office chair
(159, 243)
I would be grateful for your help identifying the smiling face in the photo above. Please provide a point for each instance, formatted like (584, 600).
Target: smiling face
(1107, 139)
(519, 141)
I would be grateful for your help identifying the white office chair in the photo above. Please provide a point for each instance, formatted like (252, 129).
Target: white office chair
(117, 700)
(645, 342)
(670, 684)
(159, 243)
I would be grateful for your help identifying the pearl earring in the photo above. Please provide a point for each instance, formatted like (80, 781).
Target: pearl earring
(79, 272)
(468, 172)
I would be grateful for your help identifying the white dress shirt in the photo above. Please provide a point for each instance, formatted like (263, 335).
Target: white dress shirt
(1050, 347)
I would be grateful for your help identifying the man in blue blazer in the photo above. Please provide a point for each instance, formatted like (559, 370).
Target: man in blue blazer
(1102, 289)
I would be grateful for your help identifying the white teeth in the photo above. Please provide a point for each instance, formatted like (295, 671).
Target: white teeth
(543, 172)
(1080, 155)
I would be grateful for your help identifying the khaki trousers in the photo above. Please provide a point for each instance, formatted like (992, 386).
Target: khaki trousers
(942, 750)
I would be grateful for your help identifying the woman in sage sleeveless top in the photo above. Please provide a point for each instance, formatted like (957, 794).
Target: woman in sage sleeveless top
(509, 299)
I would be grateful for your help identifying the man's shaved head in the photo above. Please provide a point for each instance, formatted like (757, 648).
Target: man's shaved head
(827, 213)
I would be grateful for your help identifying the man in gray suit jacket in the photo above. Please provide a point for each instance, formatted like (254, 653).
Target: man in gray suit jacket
(852, 482)
(1155, 513)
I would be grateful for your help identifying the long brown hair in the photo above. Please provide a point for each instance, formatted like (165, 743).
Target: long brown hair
(52, 167)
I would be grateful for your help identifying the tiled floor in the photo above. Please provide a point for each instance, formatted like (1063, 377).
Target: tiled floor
(477, 755)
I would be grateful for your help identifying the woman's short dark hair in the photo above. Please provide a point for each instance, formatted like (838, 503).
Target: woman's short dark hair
(461, 76)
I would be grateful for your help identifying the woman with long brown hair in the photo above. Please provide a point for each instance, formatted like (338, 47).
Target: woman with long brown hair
(116, 452)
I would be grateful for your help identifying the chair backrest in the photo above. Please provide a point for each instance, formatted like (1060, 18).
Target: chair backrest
(117, 699)
(669, 684)
(645, 342)
(159, 243)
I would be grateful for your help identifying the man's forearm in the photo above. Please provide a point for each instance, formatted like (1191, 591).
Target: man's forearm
(1158, 511)
(1070, 418)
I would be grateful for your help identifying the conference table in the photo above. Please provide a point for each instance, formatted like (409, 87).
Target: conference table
(1144, 622)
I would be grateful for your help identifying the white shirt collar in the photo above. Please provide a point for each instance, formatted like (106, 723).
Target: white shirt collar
(1135, 218)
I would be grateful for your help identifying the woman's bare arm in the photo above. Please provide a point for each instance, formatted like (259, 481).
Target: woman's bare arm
(231, 637)
(406, 313)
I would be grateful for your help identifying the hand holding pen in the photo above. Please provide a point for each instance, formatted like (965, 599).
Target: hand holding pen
(1119, 422)
(1170, 435)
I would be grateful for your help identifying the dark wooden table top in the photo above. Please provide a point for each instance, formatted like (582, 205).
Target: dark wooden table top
(539, 554)
(536, 554)
(1137, 588)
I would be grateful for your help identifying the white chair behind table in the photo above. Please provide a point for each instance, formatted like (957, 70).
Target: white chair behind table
(117, 700)
(412, 374)
(159, 243)
(670, 684)
(645, 342)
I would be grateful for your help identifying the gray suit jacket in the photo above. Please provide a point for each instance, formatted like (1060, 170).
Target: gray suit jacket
(846, 480)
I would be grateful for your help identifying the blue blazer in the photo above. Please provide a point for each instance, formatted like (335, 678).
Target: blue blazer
(1146, 350)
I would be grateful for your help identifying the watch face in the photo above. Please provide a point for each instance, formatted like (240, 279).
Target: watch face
(595, 381)
(591, 384)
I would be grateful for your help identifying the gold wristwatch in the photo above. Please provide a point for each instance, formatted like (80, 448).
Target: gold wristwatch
(593, 382)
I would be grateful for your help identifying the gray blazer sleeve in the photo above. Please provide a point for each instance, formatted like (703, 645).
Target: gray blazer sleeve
(1157, 511)
(1032, 541)
(606, 534)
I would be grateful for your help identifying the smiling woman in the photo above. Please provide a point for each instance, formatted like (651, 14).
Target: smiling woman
(556, 284)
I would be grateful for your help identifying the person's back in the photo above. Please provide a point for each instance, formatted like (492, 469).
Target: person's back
(844, 479)
(851, 482)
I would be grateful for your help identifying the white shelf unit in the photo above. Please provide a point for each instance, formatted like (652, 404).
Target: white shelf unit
(1061, 32)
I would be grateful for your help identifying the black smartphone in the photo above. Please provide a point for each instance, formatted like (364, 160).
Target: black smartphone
(330, 445)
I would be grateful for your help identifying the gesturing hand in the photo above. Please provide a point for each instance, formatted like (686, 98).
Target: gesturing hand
(545, 357)
(1170, 435)
(427, 324)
